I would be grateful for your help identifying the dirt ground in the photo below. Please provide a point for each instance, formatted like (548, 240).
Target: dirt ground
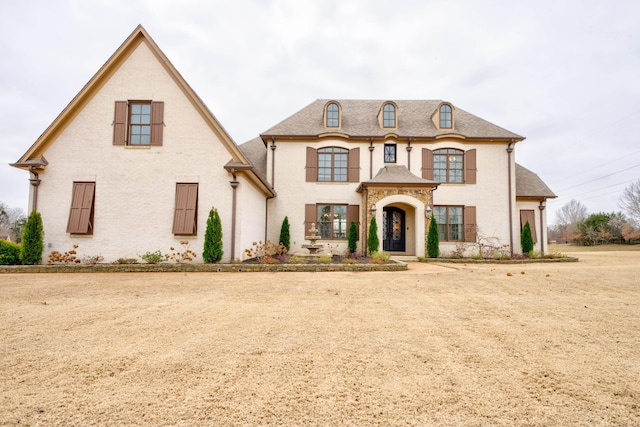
(471, 345)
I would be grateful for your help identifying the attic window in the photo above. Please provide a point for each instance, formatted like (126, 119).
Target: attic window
(389, 116)
(332, 115)
(446, 117)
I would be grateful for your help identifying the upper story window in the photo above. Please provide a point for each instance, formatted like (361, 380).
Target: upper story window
(448, 165)
(389, 116)
(332, 115)
(138, 123)
(446, 116)
(332, 164)
(389, 153)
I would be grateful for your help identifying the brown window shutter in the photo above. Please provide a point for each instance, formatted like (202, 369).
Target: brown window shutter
(120, 123)
(81, 214)
(157, 122)
(353, 215)
(529, 215)
(185, 215)
(354, 165)
(312, 164)
(309, 217)
(427, 164)
(470, 166)
(470, 226)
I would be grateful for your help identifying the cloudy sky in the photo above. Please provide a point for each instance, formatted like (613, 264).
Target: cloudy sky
(564, 74)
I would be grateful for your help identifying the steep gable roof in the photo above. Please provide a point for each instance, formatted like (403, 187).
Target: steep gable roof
(137, 37)
(529, 185)
(359, 118)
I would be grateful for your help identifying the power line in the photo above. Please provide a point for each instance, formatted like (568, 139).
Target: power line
(602, 188)
(600, 177)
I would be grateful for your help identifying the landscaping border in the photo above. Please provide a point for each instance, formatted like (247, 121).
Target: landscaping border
(199, 268)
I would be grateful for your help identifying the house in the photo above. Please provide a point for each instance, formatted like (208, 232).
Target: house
(401, 161)
(136, 161)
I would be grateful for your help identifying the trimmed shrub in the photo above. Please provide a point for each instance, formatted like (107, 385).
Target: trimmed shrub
(9, 253)
(433, 240)
(284, 234)
(353, 237)
(213, 238)
(373, 242)
(526, 240)
(32, 240)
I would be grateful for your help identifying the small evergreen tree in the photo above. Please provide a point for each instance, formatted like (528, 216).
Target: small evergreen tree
(353, 237)
(213, 238)
(372, 242)
(32, 240)
(284, 233)
(525, 239)
(433, 239)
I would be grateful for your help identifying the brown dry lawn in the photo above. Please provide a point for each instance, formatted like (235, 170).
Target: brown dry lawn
(550, 344)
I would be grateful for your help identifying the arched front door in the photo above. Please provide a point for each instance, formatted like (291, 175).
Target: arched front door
(393, 229)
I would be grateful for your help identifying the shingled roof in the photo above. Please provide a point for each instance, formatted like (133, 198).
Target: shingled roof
(529, 185)
(359, 118)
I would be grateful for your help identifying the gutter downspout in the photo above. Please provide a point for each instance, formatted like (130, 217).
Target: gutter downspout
(542, 230)
(509, 153)
(234, 186)
(273, 162)
(371, 148)
(35, 182)
(366, 221)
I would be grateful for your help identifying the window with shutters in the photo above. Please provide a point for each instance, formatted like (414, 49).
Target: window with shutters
(332, 220)
(82, 207)
(456, 223)
(138, 123)
(449, 165)
(333, 164)
(185, 217)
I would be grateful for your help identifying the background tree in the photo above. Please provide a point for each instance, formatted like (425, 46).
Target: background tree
(12, 221)
(526, 240)
(373, 243)
(213, 238)
(630, 201)
(285, 238)
(353, 237)
(32, 240)
(568, 219)
(433, 239)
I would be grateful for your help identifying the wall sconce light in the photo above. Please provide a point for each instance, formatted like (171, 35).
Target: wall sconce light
(373, 209)
(427, 211)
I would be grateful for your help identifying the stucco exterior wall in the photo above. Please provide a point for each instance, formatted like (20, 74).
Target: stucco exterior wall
(135, 186)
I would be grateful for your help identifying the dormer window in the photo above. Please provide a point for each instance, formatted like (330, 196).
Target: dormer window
(389, 116)
(446, 117)
(332, 115)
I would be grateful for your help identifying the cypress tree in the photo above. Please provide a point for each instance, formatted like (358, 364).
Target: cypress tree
(32, 240)
(372, 242)
(353, 237)
(433, 239)
(526, 240)
(213, 238)
(284, 233)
